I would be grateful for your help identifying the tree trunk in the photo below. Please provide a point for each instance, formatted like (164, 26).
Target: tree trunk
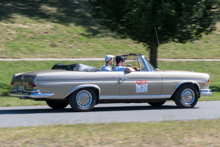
(153, 54)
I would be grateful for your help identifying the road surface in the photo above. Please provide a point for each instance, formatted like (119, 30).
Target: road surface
(106, 113)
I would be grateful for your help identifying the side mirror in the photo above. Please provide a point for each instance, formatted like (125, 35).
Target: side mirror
(157, 69)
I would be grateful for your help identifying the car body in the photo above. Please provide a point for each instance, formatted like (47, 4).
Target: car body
(82, 90)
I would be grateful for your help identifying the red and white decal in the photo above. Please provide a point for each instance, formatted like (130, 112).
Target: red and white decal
(141, 82)
(141, 86)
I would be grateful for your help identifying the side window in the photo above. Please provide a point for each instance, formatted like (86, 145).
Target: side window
(141, 65)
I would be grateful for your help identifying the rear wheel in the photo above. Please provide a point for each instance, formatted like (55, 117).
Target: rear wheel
(154, 104)
(83, 100)
(57, 104)
(186, 96)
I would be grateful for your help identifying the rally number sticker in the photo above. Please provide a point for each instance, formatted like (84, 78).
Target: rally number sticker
(141, 86)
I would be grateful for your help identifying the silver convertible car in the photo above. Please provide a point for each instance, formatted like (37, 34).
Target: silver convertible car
(84, 86)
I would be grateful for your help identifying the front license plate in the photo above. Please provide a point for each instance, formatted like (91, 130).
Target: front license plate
(21, 88)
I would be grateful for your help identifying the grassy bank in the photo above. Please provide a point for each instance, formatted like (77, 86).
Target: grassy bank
(175, 133)
(55, 29)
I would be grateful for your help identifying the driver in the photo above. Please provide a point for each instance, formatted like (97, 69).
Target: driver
(120, 61)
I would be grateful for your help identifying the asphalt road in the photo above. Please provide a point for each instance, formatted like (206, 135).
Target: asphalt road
(106, 113)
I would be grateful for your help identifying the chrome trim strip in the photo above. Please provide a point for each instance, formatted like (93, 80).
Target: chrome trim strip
(31, 91)
(205, 92)
(145, 63)
(32, 95)
(186, 80)
(191, 82)
(139, 62)
(26, 91)
(127, 97)
(84, 86)
(15, 93)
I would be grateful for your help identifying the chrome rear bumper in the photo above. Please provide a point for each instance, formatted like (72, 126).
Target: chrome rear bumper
(204, 92)
(30, 94)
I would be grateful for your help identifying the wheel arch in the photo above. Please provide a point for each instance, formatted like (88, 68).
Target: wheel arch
(96, 88)
(194, 83)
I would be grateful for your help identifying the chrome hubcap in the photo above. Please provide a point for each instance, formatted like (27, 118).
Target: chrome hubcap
(187, 96)
(84, 98)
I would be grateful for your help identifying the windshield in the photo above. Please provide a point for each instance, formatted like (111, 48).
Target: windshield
(138, 62)
(133, 61)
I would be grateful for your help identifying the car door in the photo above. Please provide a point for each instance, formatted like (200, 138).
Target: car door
(145, 81)
(108, 82)
(140, 83)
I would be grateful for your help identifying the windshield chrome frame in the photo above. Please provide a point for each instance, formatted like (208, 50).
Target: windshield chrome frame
(139, 62)
(146, 64)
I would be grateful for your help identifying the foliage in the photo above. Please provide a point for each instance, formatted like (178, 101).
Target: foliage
(177, 21)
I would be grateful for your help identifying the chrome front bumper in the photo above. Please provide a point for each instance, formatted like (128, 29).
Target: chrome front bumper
(204, 92)
(29, 94)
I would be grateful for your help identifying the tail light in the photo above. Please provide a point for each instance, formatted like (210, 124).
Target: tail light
(32, 85)
(209, 81)
(13, 84)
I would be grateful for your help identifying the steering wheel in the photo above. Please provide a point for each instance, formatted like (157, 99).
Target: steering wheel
(137, 69)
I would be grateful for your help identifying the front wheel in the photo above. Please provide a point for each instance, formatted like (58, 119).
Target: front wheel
(83, 100)
(57, 104)
(186, 96)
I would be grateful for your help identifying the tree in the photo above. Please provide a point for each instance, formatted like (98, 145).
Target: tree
(175, 20)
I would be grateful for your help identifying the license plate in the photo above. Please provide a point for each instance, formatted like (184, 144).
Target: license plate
(21, 88)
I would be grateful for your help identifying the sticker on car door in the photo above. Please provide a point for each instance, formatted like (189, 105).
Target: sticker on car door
(141, 86)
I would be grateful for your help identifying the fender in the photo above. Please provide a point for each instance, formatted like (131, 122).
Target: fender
(187, 82)
(85, 86)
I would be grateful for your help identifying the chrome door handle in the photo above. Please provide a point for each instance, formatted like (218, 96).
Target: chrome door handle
(121, 80)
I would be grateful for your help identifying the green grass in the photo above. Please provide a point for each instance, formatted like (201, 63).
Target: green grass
(200, 133)
(6, 101)
(7, 69)
(54, 29)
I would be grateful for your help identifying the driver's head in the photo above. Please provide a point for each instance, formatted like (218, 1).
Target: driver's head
(120, 60)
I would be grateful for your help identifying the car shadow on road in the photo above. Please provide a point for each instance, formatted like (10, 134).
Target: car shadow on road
(96, 109)
(132, 108)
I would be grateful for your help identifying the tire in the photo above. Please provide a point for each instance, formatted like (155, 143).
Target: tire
(83, 100)
(186, 96)
(57, 104)
(156, 104)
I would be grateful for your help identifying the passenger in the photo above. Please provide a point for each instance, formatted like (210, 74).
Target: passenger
(109, 59)
(120, 61)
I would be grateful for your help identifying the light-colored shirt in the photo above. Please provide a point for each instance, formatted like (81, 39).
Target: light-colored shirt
(119, 68)
(106, 68)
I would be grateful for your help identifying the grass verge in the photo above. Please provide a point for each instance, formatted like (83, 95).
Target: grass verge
(171, 133)
(6, 101)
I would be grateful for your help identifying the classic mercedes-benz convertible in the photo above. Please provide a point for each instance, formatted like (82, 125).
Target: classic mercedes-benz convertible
(84, 86)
